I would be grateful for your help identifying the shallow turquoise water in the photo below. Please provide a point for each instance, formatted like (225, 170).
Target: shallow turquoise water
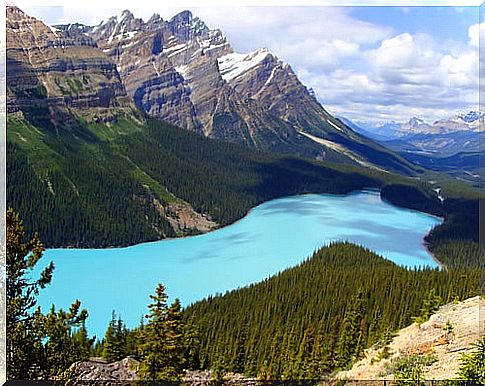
(273, 236)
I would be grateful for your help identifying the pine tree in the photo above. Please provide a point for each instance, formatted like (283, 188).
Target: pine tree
(83, 345)
(349, 333)
(24, 343)
(38, 345)
(155, 363)
(61, 349)
(175, 340)
(114, 340)
(472, 366)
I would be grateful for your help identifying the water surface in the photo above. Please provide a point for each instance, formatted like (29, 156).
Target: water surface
(273, 236)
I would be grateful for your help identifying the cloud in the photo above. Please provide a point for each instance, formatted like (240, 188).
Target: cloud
(405, 75)
(474, 33)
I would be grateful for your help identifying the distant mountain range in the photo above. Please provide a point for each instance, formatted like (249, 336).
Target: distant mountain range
(453, 145)
(459, 122)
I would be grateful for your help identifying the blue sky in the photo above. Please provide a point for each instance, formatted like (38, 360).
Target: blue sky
(368, 63)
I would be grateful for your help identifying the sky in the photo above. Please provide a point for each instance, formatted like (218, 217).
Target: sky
(367, 63)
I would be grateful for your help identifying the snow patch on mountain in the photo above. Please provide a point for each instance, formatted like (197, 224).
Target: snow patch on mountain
(175, 49)
(334, 125)
(234, 65)
(182, 70)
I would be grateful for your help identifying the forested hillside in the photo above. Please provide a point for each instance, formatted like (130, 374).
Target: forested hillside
(319, 316)
(133, 168)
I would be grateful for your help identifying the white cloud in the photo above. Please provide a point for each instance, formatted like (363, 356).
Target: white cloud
(406, 75)
(474, 33)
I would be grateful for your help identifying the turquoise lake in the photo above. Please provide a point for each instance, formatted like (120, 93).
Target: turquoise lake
(273, 236)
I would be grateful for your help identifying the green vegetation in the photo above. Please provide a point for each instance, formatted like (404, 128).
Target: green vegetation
(431, 304)
(43, 346)
(166, 345)
(162, 346)
(128, 166)
(38, 345)
(454, 243)
(115, 340)
(303, 323)
(319, 316)
(473, 364)
(408, 369)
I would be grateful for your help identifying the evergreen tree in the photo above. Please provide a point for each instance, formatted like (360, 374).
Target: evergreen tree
(61, 348)
(472, 366)
(38, 345)
(24, 329)
(83, 345)
(350, 339)
(114, 345)
(347, 315)
(175, 340)
(155, 347)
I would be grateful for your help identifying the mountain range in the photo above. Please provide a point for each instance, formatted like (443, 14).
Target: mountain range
(179, 71)
(453, 145)
(459, 122)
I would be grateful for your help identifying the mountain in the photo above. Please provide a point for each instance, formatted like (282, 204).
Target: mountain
(50, 73)
(189, 75)
(460, 122)
(453, 145)
(374, 134)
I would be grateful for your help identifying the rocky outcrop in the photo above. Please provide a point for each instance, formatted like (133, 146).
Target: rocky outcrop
(52, 70)
(430, 338)
(125, 370)
(96, 369)
(173, 71)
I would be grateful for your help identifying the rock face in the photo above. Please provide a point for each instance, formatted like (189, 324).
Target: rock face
(96, 369)
(125, 370)
(183, 72)
(55, 75)
(49, 68)
(430, 338)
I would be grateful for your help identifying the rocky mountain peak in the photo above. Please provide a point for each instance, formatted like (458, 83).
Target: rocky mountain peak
(51, 68)
(126, 15)
(15, 13)
(471, 116)
(181, 19)
(414, 122)
(155, 21)
(186, 27)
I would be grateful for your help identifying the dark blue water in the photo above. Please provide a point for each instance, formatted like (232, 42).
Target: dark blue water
(273, 236)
